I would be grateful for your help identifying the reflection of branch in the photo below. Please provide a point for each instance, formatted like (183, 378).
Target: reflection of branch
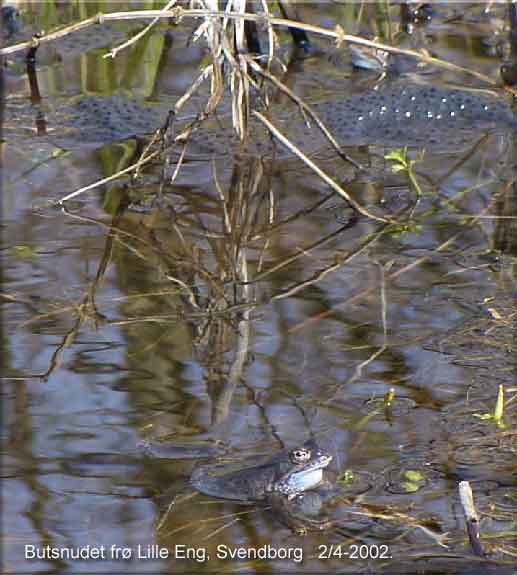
(67, 341)
(389, 514)
(302, 252)
(271, 219)
(318, 276)
(359, 368)
(287, 220)
(86, 310)
(200, 523)
(222, 405)
(469, 222)
(209, 314)
(463, 160)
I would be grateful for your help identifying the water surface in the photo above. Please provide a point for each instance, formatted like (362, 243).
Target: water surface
(135, 349)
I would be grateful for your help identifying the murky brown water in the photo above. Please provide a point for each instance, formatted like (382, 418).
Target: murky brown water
(139, 345)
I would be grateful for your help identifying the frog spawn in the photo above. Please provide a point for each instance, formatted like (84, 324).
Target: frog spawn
(397, 115)
(99, 119)
(414, 115)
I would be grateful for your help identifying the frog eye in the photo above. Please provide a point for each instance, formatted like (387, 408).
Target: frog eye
(300, 455)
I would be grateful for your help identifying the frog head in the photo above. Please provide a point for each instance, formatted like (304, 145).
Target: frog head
(300, 469)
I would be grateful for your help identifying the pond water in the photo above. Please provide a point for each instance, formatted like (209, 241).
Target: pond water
(248, 310)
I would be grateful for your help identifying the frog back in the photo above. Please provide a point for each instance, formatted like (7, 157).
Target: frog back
(226, 482)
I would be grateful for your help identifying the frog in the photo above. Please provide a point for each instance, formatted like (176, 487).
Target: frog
(282, 482)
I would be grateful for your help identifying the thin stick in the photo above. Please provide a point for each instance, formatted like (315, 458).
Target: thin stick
(471, 517)
(325, 177)
(306, 108)
(107, 180)
(112, 53)
(179, 13)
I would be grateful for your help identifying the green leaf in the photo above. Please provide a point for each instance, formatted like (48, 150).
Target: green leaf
(24, 251)
(413, 475)
(410, 487)
(483, 416)
(399, 155)
(347, 477)
(499, 405)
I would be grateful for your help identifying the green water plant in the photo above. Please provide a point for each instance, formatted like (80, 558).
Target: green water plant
(401, 163)
(497, 415)
(413, 480)
(347, 477)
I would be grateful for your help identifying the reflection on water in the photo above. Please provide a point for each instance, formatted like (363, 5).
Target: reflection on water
(243, 312)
